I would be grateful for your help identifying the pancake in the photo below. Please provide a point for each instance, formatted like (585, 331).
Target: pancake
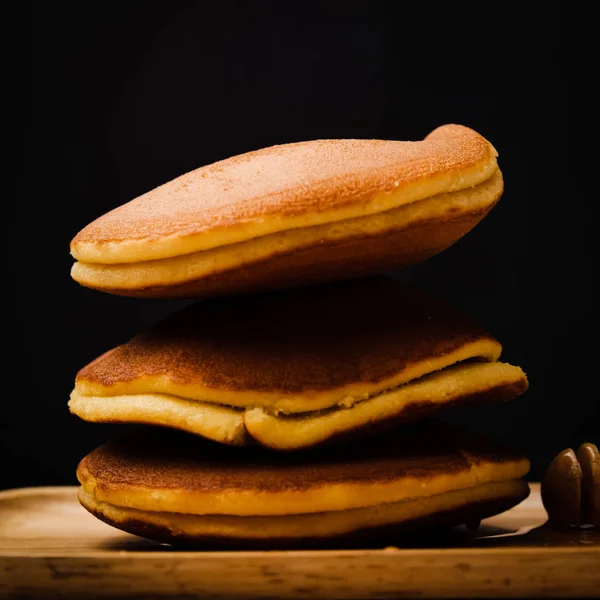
(293, 214)
(296, 368)
(173, 486)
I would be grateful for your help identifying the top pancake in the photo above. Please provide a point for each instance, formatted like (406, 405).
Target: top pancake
(198, 476)
(285, 187)
(296, 350)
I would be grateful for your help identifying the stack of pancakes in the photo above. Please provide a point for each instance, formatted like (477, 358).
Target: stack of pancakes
(276, 414)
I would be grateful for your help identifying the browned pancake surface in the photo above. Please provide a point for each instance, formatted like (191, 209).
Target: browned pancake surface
(285, 181)
(317, 338)
(157, 458)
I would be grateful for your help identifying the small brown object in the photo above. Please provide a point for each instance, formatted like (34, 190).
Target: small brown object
(571, 487)
(561, 489)
(589, 462)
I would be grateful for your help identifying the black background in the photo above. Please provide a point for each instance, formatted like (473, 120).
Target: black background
(123, 96)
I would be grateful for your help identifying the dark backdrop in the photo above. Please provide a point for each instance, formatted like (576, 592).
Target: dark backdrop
(123, 96)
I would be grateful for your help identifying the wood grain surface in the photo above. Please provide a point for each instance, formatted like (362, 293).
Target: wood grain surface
(51, 548)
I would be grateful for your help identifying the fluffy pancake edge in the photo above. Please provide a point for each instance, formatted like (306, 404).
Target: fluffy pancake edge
(301, 483)
(477, 383)
(174, 526)
(223, 424)
(470, 383)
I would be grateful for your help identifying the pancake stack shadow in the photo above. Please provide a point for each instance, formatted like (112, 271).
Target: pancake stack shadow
(290, 405)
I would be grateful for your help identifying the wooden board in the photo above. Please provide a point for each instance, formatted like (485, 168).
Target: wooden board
(50, 547)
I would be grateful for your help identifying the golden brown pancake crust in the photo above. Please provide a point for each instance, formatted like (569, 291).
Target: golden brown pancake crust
(415, 412)
(284, 182)
(409, 413)
(330, 260)
(157, 458)
(312, 339)
(370, 536)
